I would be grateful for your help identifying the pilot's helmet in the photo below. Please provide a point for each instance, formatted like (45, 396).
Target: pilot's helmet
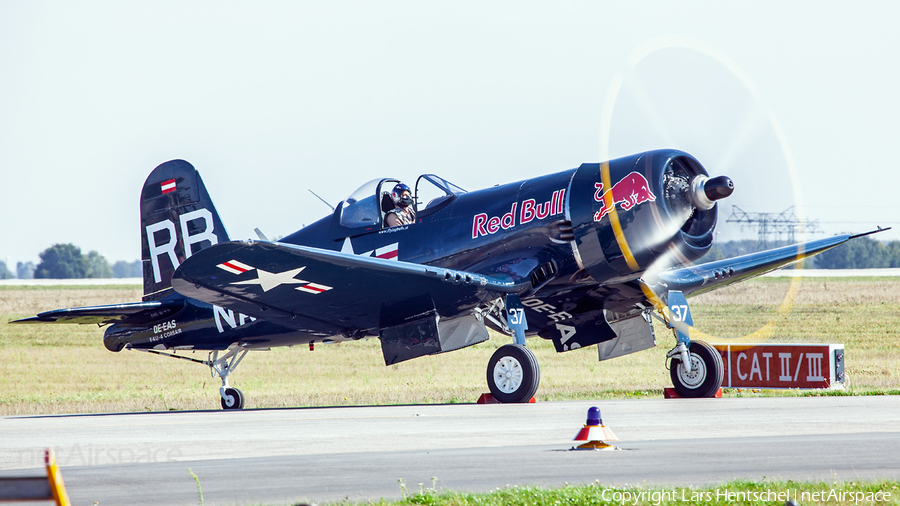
(397, 195)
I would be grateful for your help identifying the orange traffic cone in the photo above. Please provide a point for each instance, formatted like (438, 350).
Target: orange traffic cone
(594, 432)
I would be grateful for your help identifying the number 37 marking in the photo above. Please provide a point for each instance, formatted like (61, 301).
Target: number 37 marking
(516, 316)
(679, 313)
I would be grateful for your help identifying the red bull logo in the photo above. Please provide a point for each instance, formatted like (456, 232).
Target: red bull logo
(630, 191)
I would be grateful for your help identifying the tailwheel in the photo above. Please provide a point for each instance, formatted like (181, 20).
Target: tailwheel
(705, 375)
(513, 374)
(223, 366)
(232, 398)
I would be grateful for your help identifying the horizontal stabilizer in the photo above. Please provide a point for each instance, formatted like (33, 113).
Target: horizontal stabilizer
(136, 312)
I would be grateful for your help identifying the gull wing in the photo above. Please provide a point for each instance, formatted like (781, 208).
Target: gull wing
(702, 278)
(296, 285)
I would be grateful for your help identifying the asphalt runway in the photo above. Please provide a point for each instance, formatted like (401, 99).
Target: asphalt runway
(284, 456)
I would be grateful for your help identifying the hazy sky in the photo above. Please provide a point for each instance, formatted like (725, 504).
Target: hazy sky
(270, 99)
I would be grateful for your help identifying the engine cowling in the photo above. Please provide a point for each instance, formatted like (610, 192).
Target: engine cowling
(631, 212)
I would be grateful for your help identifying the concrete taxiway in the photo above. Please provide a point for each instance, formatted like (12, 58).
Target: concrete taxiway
(283, 456)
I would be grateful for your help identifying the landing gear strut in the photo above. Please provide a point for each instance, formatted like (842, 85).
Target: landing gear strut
(513, 374)
(696, 368)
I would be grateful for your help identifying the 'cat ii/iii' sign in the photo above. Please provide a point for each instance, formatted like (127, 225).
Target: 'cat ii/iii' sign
(782, 365)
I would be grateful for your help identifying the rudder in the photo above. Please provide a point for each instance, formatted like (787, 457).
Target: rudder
(178, 219)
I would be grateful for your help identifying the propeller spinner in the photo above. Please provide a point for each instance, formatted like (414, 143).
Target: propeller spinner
(705, 191)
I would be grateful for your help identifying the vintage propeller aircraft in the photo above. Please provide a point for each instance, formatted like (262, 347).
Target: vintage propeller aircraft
(582, 257)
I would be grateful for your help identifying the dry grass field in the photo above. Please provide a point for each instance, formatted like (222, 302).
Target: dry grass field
(65, 368)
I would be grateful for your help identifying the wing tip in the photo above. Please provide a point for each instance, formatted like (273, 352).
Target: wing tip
(879, 229)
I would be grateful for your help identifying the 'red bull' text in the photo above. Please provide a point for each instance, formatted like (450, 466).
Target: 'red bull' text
(529, 210)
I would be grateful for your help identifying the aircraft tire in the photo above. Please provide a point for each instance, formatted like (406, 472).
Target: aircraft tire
(513, 374)
(234, 399)
(707, 371)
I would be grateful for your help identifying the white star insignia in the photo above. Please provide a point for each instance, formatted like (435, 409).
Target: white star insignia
(268, 280)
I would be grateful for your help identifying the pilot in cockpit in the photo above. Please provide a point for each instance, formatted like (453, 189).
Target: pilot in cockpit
(403, 212)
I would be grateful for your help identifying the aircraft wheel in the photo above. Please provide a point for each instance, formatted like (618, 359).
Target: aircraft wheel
(234, 399)
(513, 374)
(706, 373)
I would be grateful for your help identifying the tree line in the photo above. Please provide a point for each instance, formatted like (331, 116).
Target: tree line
(861, 253)
(66, 261)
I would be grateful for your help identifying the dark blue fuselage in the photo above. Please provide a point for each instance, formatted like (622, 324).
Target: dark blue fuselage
(558, 236)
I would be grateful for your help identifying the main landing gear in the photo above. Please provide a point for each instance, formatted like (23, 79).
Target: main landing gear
(696, 368)
(223, 366)
(513, 374)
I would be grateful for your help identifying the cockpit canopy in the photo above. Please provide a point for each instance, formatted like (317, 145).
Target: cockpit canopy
(365, 207)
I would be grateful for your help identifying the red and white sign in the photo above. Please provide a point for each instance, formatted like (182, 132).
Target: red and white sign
(168, 186)
(782, 365)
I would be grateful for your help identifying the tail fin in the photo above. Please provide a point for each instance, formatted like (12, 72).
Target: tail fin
(178, 219)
